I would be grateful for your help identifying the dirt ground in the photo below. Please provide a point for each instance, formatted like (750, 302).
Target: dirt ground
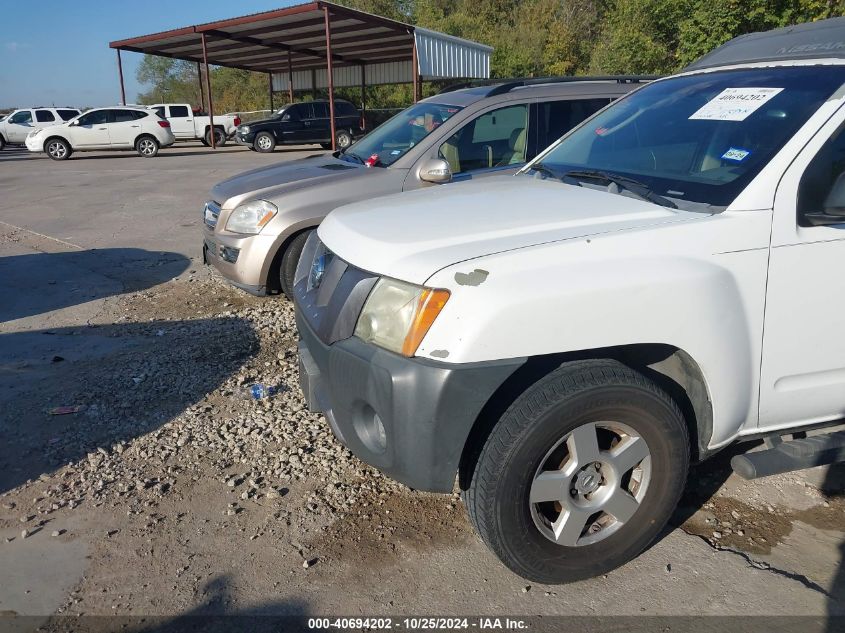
(162, 491)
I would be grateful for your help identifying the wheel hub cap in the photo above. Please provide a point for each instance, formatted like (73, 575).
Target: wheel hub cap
(588, 480)
(590, 483)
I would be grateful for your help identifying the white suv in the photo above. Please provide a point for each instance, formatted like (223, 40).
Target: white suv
(17, 126)
(662, 282)
(120, 127)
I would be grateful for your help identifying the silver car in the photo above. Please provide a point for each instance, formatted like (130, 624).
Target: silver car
(256, 223)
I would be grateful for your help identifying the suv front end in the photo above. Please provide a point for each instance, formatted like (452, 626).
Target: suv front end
(240, 247)
(407, 416)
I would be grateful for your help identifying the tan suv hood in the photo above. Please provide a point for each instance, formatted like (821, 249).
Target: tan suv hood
(265, 182)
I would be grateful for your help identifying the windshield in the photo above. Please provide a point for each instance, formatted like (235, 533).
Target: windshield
(700, 138)
(397, 135)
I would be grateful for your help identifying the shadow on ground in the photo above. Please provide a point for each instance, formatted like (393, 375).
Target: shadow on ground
(215, 614)
(127, 379)
(35, 283)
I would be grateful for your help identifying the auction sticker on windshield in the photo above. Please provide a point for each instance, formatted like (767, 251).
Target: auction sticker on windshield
(734, 104)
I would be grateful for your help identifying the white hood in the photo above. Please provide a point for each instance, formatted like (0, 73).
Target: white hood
(410, 236)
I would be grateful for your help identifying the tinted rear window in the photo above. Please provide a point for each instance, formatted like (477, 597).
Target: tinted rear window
(179, 112)
(44, 116)
(122, 116)
(345, 109)
(67, 115)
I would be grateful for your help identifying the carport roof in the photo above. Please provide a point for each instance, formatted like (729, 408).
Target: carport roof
(267, 41)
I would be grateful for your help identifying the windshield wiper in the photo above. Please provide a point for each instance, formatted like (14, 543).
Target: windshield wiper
(540, 168)
(355, 157)
(636, 187)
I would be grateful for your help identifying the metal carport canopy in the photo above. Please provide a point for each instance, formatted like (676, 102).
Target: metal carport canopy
(318, 45)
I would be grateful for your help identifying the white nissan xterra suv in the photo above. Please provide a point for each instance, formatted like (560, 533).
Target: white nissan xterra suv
(665, 280)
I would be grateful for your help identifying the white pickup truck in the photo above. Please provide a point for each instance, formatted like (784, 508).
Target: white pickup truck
(662, 282)
(188, 124)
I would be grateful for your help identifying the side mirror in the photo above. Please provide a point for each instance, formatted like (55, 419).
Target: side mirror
(436, 170)
(73, 124)
(834, 206)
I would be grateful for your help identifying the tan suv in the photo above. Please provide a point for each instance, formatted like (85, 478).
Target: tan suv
(256, 224)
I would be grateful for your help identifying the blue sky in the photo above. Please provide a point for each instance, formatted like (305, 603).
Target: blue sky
(59, 53)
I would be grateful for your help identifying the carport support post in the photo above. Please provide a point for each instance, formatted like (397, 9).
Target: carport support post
(330, 72)
(208, 93)
(363, 96)
(120, 74)
(416, 71)
(270, 76)
(290, 78)
(202, 96)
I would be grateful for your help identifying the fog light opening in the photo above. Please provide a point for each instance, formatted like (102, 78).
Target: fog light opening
(370, 429)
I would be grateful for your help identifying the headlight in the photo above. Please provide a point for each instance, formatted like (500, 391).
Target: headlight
(244, 129)
(397, 315)
(251, 217)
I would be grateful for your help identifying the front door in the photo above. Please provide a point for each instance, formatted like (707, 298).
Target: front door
(181, 121)
(291, 125)
(803, 370)
(19, 125)
(91, 130)
(493, 143)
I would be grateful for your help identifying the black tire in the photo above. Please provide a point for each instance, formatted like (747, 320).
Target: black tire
(219, 137)
(326, 145)
(2, 143)
(289, 260)
(204, 142)
(343, 139)
(575, 396)
(57, 148)
(147, 146)
(264, 142)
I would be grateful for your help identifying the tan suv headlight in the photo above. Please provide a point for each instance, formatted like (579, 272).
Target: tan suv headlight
(251, 217)
(397, 315)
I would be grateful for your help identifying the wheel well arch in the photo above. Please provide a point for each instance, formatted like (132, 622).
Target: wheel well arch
(55, 137)
(272, 273)
(144, 135)
(671, 368)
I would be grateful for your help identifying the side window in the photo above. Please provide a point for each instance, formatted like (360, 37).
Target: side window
(179, 112)
(321, 110)
(293, 113)
(823, 183)
(345, 109)
(44, 116)
(495, 139)
(124, 116)
(67, 115)
(21, 118)
(160, 111)
(97, 117)
(556, 118)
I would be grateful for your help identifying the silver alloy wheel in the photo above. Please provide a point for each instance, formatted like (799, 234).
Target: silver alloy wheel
(343, 141)
(590, 483)
(147, 147)
(264, 142)
(56, 149)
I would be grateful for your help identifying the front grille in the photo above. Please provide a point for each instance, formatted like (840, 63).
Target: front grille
(329, 292)
(210, 213)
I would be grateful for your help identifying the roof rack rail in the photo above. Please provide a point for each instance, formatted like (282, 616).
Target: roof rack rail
(501, 86)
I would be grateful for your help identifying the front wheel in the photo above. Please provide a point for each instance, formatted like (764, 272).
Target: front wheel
(264, 142)
(580, 474)
(290, 258)
(2, 143)
(146, 146)
(58, 149)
